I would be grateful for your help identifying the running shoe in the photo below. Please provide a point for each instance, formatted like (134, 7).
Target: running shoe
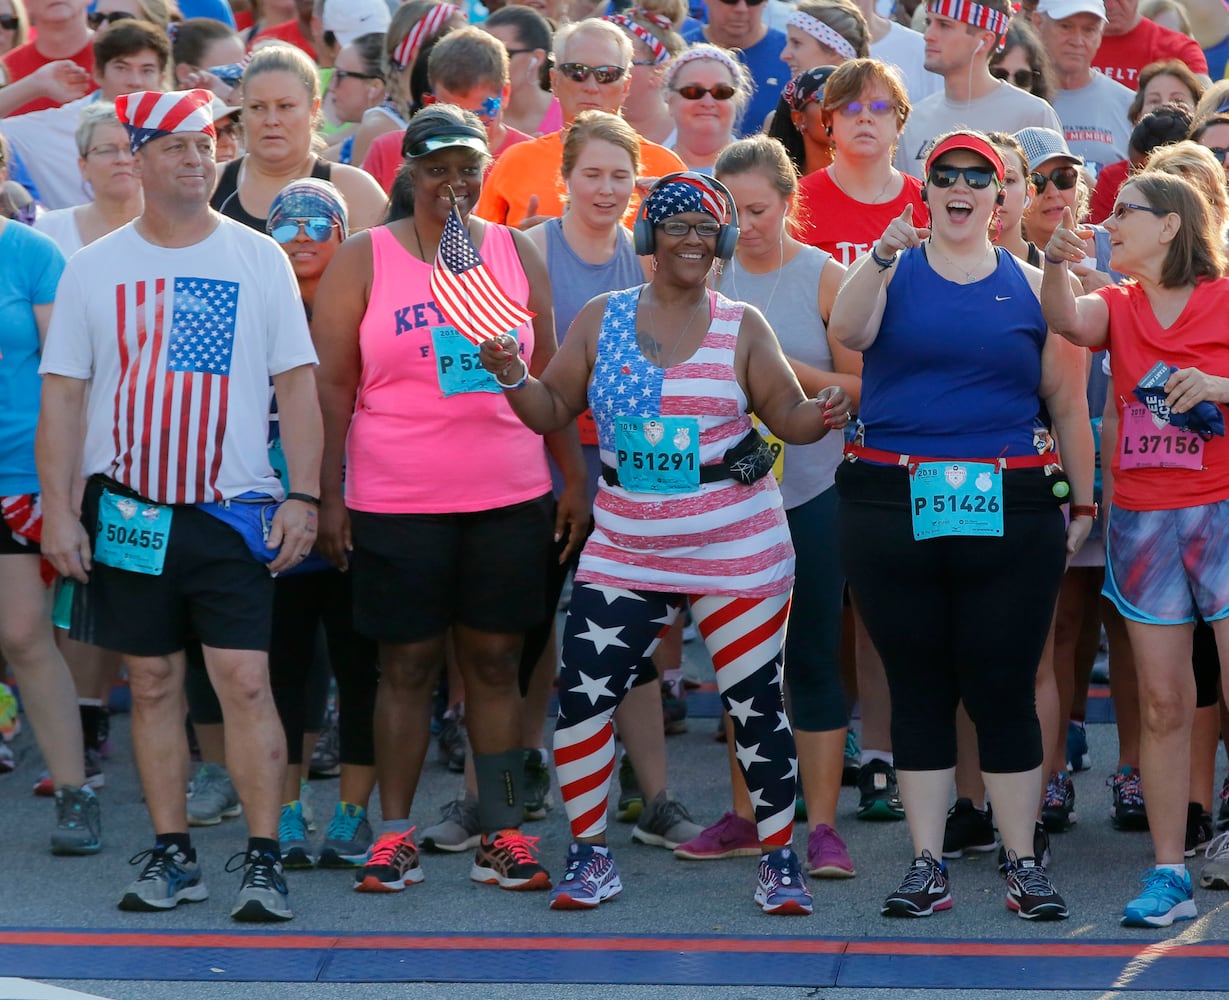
(730, 837)
(780, 887)
(968, 829)
(305, 798)
(1167, 897)
(94, 777)
(1058, 805)
(674, 707)
(1129, 812)
(326, 756)
(453, 743)
(1041, 849)
(666, 823)
(925, 889)
(1199, 830)
(880, 797)
(1222, 815)
(212, 797)
(827, 855)
(589, 879)
(537, 799)
(292, 837)
(509, 859)
(1078, 758)
(1030, 893)
(168, 879)
(263, 896)
(631, 798)
(391, 865)
(347, 838)
(78, 822)
(1215, 873)
(852, 765)
(457, 830)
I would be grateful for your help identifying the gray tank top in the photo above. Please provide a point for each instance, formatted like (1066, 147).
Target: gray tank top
(789, 299)
(574, 281)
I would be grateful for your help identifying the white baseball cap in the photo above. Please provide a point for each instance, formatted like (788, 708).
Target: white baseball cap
(351, 19)
(1059, 9)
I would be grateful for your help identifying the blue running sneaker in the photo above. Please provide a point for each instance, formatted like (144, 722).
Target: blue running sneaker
(1167, 897)
(780, 887)
(590, 879)
(1078, 758)
(167, 880)
(292, 837)
(347, 838)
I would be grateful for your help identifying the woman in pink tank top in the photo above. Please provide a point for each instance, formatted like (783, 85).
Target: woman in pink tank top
(447, 514)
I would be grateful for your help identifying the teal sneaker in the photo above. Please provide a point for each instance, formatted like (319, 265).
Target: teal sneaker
(1167, 897)
(347, 838)
(292, 837)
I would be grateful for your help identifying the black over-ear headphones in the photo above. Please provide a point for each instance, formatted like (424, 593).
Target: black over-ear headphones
(645, 239)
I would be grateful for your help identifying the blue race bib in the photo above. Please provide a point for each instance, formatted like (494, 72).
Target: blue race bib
(456, 364)
(658, 455)
(132, 535)
(956, 498)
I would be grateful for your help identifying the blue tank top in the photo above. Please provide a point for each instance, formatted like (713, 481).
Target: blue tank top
(955, 369)
(574, 281)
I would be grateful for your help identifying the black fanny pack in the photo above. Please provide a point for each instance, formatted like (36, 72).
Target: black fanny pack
(745, 462)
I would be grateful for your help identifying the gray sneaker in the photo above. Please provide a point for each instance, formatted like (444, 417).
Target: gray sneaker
(212, 797)
(1215, 872)
(666, 823)
(78, 822)
(457, 830)
(263, 896)
(167, 880)
(538, 798)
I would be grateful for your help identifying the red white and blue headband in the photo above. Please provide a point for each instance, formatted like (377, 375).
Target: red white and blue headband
(823, 33)
(424, 29)
(149, 114)
(706, 51)
(628, 23)
(975, 14)
(684, 194)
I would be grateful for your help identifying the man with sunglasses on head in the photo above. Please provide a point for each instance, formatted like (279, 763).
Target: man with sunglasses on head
(1092, 107)
(57, 66)
(592, 72)
(960, 37)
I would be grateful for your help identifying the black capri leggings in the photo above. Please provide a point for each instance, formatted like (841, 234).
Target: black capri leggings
(956, 618)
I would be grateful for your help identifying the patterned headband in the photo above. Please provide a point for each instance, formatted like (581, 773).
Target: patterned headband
(624, 21)
(706, 52)
(683, 194)
(807, 87)
(822, 33)
(424, 28)
(986, 18)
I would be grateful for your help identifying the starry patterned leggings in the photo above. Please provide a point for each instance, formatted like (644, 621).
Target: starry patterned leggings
(608, 643)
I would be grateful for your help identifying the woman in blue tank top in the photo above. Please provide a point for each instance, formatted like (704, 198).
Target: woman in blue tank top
(951, 536)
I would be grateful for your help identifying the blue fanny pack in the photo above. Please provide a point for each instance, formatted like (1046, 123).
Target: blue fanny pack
(251, 514)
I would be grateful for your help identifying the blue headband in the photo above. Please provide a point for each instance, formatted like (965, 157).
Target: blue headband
(305, 198)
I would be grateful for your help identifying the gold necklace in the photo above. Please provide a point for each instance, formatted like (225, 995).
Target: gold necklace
(968, 274)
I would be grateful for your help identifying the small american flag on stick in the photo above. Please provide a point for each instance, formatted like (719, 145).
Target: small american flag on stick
(466, 292)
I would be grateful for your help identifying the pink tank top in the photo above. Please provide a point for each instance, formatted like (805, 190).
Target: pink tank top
(426, 436)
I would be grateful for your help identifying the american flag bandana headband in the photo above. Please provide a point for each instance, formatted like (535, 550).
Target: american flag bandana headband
(823, 33)
(683, 194)
(149, 114)
(659, 52)
(986, 18)
(424, 28)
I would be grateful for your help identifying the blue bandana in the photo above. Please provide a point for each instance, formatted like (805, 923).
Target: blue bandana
(306, 198)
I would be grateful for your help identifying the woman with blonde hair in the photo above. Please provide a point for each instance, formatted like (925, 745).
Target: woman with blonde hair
(824, 33)
(653, 29)
(162, 13)
(14, 25)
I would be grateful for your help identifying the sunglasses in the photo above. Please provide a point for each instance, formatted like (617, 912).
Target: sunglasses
(1064, 178)
(97, 19)
(9, 23)
(231, 130)
(735, 3)
(580, 72)
(348, 74)
(1123, 207)
(317, 228)
(694, 92)
(877, 108)
(677, 227)
(1022, 78)
(977, 178)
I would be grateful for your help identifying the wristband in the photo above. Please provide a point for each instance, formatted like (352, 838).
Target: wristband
(304, 498)
(1052, 260)
(1085, 510)
(519, 383)
(884, 263)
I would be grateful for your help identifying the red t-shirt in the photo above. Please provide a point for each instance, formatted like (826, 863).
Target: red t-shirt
(25, 59)
(287, 31)
(1121, 57)
(383, 157)
(831, 220)
(1109, 182)
(1195, 340)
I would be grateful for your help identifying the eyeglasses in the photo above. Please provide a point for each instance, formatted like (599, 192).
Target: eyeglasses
(1123, 207)
(97, 18)
(9, 23)
(317, 228)
(749, 3)
(231, 130)
(1022, 78)
(677, 227)
(877, 108)
(346, 74)
(1064, 178)
(519, 52)
(580, 72)
(694, 92)
(110, 151)
(976, 177)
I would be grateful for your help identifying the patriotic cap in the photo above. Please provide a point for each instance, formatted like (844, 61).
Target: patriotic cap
(974, 142)
(686, 192)
(149, 114)
(628, 23)
(306, 198)
(978, 15)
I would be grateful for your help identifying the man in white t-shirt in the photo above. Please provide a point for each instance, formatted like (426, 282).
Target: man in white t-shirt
(1092, 107)
(893, 43)
(960, 37)
(172, 326)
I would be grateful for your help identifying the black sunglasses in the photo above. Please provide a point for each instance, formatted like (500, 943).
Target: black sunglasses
(1064, 178)
(97, 19)
(1022, 78)
(976, 177)
(694, 92)
(580, 72)
(9, 23)
(347, 74)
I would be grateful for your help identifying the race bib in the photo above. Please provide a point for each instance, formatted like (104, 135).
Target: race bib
(456, 364)
(658, 455)
(1151, 443)
(775, 445)
(132, 535)
(956, 498)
